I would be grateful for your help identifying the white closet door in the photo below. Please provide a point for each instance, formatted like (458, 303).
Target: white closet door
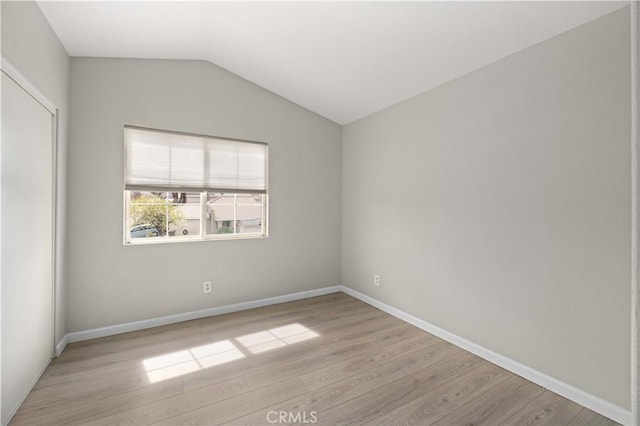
(27, 243)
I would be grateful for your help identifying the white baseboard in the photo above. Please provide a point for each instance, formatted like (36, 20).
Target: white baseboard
(111, 330)
(568, 391)
(61, 345)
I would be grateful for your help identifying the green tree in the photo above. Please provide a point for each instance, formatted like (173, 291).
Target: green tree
(225, 230)
(155, 210)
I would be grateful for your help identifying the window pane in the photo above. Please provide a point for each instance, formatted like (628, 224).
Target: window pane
(249, 213)
(184, 214)
(220, 213)
(147, 214)
(234, 213)
(164, 214)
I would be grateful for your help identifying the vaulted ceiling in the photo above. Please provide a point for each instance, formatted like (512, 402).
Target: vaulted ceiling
(342, 60)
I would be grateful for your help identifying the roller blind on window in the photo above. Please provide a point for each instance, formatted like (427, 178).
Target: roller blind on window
(178, 161)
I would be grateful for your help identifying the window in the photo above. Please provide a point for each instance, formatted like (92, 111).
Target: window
(185, 187)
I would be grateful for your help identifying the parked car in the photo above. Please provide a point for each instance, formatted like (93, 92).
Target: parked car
(144, 230)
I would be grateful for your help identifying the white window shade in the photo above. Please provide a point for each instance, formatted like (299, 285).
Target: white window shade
(179, 161)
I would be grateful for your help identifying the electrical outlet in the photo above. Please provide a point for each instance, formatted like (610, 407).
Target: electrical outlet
(376, 280)
(207, 287)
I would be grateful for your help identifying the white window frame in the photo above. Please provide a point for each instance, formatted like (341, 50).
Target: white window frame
(203, 235)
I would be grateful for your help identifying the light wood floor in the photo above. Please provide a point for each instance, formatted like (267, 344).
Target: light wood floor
(330, 358)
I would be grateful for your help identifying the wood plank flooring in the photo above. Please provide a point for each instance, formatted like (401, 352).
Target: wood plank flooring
(332, 359)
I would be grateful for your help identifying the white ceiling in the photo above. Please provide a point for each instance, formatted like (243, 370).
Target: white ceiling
(342, 60)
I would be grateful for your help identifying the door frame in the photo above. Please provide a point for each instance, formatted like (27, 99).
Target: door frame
(14, 74)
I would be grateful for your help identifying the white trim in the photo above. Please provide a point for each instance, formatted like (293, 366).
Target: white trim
(171, 319)
(54, 224)
(26, 393)
(1, 210)
(635, 212)
(203, 212)
(62, 344)
(14, 74)
(583, 398)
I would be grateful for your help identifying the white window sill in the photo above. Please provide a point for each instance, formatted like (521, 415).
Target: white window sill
(166, 240)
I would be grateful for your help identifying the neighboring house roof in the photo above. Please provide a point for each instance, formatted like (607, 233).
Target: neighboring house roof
(247, 209)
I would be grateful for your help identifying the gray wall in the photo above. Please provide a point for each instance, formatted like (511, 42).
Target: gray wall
(497, 206)
(30, 44)
(110, 283)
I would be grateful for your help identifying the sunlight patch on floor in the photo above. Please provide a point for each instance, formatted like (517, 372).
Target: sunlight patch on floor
(176, 364)
(276, 338)
(187, 361)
